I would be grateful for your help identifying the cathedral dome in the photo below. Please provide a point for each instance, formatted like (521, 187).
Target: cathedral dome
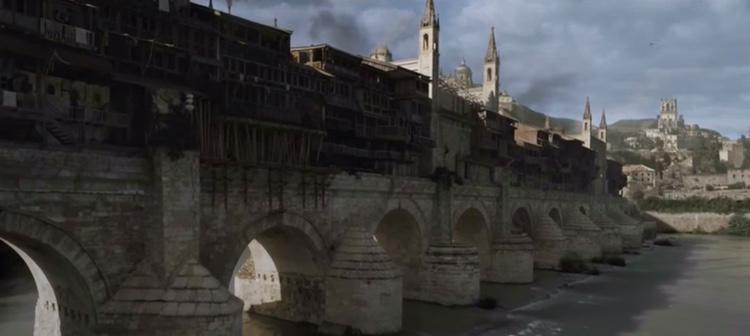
(382, 53)
(464, 75)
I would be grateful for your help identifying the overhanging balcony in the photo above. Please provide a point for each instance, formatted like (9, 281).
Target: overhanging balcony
(67, 34)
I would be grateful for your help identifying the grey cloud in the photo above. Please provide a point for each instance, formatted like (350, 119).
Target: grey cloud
(557, 52)
(341, 30)
(544, 91)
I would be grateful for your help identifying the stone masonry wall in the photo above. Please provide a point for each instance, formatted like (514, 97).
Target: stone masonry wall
(98, 197)
(694, 221)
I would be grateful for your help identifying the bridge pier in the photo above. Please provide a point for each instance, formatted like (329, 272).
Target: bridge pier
(611, 238)
(450, 276)
(450, 273)
(512, 260)
(584, 237)
(170, 292)
(630, 229)
(550, 243)
(363, 288)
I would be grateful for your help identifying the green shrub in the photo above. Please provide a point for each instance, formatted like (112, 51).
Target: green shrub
(739, 225)
(665, 242)
(487, 303)
(571, 262)
(698, 230)
(722, 205)
(611, 260)
(736, 186)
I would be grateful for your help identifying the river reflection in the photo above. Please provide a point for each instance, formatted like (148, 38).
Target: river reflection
(258, 325)
(699, 288)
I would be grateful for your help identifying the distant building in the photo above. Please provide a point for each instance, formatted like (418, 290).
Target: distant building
(670, 119)
(640, 174)
(733, 153)
(670, 129)
(733, 177)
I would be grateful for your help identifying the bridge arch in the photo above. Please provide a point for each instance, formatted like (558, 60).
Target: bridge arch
(556, 215)
(401, 236)
(278, 267)
(69, 284)
(398, 232)
(522, 221)
(472, 228)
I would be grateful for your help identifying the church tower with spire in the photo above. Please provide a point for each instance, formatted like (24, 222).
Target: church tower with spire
(603, 127)
(429, 45)
(586, 131)
(491, 85)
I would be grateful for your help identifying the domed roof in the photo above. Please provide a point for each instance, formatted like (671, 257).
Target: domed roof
(463, 75)
(381, 53)
(463, 69)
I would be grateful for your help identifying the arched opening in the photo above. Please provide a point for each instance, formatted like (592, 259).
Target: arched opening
(471, 229)
(399, 235)
(489, 74)
(18, 293)
(280, 275)
(59, 302)
(521, 222)
(556, 216)
(66, 279)
(425, 42)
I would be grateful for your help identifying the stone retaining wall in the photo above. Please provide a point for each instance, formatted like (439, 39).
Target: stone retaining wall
(692, 221)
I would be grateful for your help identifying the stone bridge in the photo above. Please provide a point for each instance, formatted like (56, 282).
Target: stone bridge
(122, 243)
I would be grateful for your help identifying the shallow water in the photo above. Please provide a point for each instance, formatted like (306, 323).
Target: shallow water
(17, 300)
(699, 288)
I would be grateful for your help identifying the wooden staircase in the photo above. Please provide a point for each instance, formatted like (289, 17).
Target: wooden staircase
(60, 132)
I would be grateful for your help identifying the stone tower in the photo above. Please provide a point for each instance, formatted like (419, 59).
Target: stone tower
(603, 127)
(669, 117)
(586, 131)
(491, 85)
(429, 45)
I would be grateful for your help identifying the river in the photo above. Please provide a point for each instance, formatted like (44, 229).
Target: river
(699, 288)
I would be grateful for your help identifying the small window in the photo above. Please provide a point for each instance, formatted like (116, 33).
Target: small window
(425, 42)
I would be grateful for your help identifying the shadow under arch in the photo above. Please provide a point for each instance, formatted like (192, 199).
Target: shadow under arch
(556, 216)
(472, 228)
(69, 284)
(398, 233)
(521, 222)
(280, 270)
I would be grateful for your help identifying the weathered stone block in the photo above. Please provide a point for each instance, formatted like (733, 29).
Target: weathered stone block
(367, 295)
(450, 276)
(512, 261)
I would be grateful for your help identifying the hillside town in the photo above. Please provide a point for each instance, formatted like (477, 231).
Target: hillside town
(675, 160)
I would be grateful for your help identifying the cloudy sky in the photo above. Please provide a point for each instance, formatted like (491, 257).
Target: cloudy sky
(626, 55)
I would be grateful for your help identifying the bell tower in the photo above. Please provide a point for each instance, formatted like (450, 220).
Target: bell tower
(586, 131)
(429, 45)
(603, 127)
(491, 83)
